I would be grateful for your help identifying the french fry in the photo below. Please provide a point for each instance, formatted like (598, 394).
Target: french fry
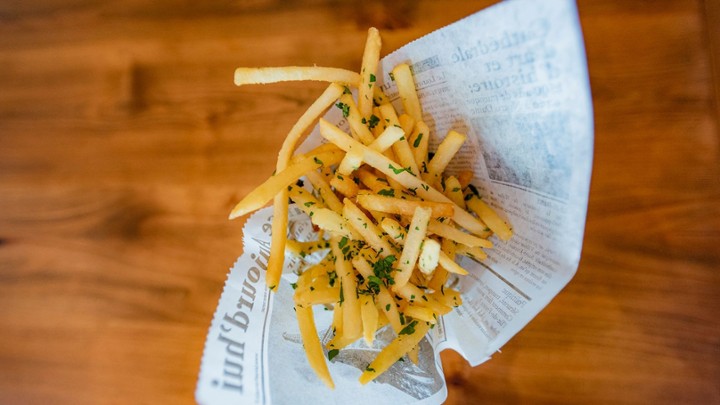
(450, 265)
(355, 119)
(369, 315)
(334, 223)
(352, 323)
(407, 123)
(453, 191)
(411, 249)
(311, 342)
(465, 177)
(305, 200)
(244, 75)
(473, 253)
(444, 154)
(344, 185)
(351, 162)
(395, 350)
(368, 70)
(401, 148)
(406, 87)
(490, 217)
(454, 234)
(277, 183)
(400, 206)
(395, 231)
(419, 141)
(323, 188)
(387, 139)
(420, 313)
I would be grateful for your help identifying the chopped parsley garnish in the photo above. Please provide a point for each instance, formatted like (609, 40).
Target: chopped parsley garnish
(344, 107)
(318, 161)
(332, 353)
(372, 370)
(387, 192)
(346, 90)
(293, 285)
(425, 187)
(332, 275)
(382, 269)
(309, 203)
(417, 140)
(342, 297)
(374, 120)
(343, 242)
(456, 189)
(398, 171)
(372, 78)
(409, 329)
(387, 307)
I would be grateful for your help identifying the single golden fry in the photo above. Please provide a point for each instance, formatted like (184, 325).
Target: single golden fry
(401, 206)
(444, 154)
(490, 217)
(344, 185)
(311, 341)
(323, 188)
(401, 148)
(411, 249)
(453, 191)
(450, 232)
(449, 264)
(368, 70)
(406, 87)
(419, 141)
(244, 75)
(352, 323)
(471, 252)
(369, 315)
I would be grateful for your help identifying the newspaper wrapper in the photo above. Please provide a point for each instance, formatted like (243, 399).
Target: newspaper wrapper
(514, 79)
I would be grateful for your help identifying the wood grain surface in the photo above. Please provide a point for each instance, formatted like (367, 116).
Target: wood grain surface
(124, 144)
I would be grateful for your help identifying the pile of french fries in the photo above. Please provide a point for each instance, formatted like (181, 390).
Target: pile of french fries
(390, 221)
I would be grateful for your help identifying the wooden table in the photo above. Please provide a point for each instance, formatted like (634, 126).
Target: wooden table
(123, 145)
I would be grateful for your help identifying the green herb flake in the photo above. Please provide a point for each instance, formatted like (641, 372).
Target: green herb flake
(416, 144)
(389, 192)
(309, 203)
(397, 171)
(344, 107)
(372, 78)
(293, 285)
(332, 353)
(318, 161)
(374, 120)
(409, 329)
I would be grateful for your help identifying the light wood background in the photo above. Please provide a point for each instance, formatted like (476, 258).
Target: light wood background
(124, 144)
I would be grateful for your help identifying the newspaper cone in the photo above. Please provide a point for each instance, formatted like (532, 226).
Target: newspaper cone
(514, 79)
